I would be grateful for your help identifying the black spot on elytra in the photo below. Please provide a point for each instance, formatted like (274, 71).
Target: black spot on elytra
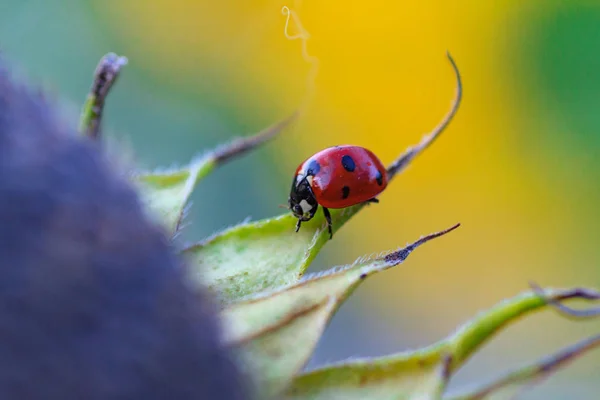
(345, 192)
(348, 163)
(379, 178)
(313, 168)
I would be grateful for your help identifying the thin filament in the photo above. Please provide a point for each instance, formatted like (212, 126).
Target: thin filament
(303, 35)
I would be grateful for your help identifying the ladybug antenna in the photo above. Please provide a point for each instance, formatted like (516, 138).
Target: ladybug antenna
(284, 206)
(405, 159)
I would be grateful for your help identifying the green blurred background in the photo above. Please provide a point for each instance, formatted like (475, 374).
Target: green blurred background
(518, 167)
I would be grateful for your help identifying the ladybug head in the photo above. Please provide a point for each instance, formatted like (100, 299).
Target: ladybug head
(302, 201)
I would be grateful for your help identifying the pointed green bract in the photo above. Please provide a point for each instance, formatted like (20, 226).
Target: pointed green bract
(166, 193)
(418, 376)
(402, 376)
(513, 384)
(255, 257)
(271, 357)
(105, 76)
(265, 254)
(260, 256)
(276, 333)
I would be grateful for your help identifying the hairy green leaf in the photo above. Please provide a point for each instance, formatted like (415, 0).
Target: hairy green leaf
(513, 384)
(402, 376)
(277, 332)
(166, 193)
(273, 355)
(266, 254)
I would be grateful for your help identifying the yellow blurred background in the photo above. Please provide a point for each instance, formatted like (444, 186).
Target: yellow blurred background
(517, 167)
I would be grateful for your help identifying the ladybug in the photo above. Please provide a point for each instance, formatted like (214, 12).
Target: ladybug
(337, 177)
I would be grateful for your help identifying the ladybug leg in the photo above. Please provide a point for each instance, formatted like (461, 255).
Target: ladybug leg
(373, 200)
(298, 225)
(329, 224)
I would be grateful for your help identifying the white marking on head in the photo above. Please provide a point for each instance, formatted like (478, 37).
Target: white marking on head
(309, 179)
(305, 206)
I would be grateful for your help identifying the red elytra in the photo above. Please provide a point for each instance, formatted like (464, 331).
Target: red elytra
(337, 177)
(348, 175)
